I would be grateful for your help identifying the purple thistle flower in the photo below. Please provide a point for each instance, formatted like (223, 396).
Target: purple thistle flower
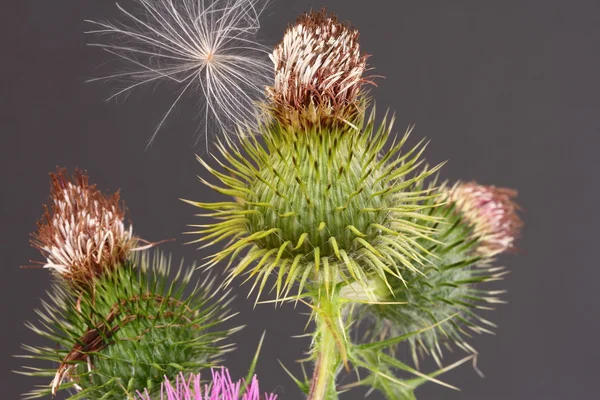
(222, 387)
(493, 214)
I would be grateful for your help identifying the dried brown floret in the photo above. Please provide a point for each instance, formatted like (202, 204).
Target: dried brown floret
(83, 232)
(318, 72)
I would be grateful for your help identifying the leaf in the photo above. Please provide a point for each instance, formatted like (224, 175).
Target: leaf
(304, 386)
(253, 364)
(382, 344)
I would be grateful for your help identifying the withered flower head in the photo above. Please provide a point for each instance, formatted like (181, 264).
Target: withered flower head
(318, 72)
(82, 233)
(492, 213)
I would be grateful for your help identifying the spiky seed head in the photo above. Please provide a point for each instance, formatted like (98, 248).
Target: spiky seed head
(207, 48)
(83, 232)
(493, 214)
(319, 71)
(221, 387)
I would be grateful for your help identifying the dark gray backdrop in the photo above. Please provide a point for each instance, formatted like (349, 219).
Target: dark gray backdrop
(508, 91)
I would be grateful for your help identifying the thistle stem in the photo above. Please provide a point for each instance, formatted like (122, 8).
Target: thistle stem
(322, 386)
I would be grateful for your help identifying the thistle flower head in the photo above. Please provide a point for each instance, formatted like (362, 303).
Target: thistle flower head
(83, 232)
(318, 72)
(204, 46)
(492, 213)
(221, 387)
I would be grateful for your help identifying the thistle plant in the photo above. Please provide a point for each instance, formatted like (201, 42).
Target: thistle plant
(326, 207)
(360, 232)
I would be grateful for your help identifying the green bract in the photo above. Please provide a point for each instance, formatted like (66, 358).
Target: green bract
(135, 328)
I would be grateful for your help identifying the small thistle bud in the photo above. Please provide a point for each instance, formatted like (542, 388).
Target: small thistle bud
(318, 72)
(137, 328)
(83, 232)
(440, 305)
(492, 213)
(221, 387)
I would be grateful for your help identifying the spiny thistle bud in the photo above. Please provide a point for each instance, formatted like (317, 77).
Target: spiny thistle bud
(83, 232)
(442, 299)
(318, 72)
(320, 206)
(138, 327)
(492, 213)
(221, 387)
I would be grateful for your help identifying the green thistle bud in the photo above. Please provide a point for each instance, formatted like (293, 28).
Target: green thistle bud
(447, 293)
(136, 328)
(319, 205)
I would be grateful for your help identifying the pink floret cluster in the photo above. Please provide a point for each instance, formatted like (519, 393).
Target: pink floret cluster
(221, 387)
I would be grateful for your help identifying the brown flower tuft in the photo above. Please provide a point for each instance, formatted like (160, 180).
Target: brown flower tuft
(318, 72)
(82, 233)
(492, 213)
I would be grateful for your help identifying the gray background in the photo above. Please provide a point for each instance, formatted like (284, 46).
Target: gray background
(508, 91)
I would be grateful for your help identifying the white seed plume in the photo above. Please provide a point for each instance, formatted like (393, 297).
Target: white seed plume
(204, 46)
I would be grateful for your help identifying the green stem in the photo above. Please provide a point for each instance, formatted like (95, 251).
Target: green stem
(327, 348)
